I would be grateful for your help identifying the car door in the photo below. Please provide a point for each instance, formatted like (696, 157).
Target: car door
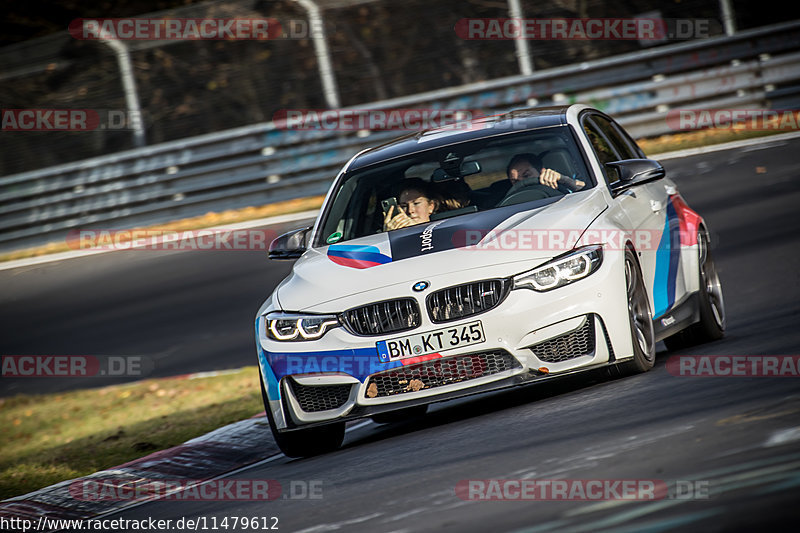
(641, 209)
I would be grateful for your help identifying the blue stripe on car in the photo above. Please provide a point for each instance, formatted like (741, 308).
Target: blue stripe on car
(358, 363)
(667, 261)
(273, 391)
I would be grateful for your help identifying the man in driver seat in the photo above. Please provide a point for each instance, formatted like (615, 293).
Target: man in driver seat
(526, 169)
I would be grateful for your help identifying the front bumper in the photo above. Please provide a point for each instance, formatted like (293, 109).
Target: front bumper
(529, 336)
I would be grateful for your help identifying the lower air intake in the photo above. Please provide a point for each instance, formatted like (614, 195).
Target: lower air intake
(576, 343)
(313, 398)
(439, 372)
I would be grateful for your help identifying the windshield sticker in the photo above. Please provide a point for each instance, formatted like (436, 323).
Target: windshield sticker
(334, 237)
(427, 238)
(448, 234)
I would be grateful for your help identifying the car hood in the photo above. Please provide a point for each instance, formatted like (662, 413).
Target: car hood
(498, 238)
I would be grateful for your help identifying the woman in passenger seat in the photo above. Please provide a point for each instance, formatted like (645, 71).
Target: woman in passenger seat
(417, 201)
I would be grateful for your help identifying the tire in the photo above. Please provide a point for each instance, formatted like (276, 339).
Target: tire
(304, 442)
(640, 319)
(401, 415)
(711, 305)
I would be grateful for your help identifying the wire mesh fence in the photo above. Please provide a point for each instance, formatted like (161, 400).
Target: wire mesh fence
(379, 49)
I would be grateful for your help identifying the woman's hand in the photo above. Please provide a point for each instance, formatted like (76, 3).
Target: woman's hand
(399, 221)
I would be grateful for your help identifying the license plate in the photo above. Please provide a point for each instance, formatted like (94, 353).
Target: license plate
(429, 342)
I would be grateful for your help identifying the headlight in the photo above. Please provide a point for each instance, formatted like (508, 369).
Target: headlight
(561, 271)
(297, 327)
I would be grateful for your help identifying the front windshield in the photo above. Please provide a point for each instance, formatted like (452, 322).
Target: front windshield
(530, 169)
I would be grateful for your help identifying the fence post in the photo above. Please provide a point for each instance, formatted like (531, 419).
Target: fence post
(728, 17)
(317, 29)
(523, 51)
(128, 85)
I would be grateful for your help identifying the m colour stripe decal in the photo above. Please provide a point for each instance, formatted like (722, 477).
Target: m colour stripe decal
(668, 257)
(690, 220)
(355, 256)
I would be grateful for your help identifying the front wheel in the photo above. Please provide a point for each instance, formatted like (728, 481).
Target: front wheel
(640, 318)
(304, 442)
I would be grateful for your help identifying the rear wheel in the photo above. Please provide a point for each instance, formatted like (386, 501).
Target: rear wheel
(640, 318)
(711, 305)
(304, 442)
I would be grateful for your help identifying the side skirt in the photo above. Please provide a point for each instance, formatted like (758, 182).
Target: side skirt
(679, 317)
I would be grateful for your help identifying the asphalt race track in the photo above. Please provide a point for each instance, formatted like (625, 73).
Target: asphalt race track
(732, 445)
(182, 312)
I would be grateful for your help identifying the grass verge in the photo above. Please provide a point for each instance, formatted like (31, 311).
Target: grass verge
(54, 437)
(700, 138)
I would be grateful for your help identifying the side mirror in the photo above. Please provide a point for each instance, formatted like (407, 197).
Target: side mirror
(290, 245)
(632, 172)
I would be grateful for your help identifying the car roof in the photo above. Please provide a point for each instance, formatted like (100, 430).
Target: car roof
(479, 128)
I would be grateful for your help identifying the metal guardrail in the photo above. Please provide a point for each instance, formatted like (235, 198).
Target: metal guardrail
(260, 164)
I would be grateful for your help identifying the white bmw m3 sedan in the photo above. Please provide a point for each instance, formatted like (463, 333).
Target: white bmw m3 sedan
(450, 262)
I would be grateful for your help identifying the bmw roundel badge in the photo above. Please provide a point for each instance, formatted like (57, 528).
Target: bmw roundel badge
(420, 286)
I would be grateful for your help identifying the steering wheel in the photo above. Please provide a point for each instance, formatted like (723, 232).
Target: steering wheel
(529, 194)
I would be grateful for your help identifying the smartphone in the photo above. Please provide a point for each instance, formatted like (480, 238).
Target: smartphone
(390, 202)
